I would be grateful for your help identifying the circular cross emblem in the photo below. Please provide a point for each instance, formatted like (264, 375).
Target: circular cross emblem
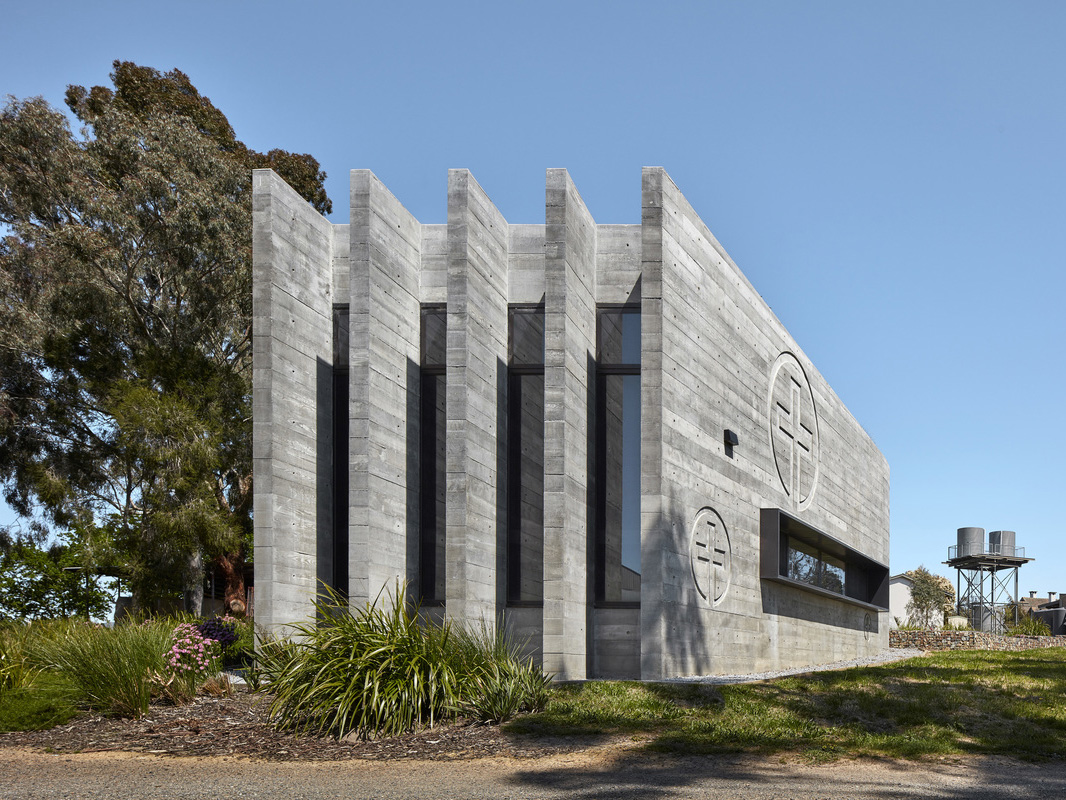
(868, 626)
(793, 429)
(711, 555)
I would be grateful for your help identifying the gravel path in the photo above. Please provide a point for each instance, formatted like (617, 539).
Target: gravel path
(592, 775)
(884, 657)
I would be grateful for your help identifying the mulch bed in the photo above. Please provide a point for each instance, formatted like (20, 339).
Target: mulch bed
(237, 726)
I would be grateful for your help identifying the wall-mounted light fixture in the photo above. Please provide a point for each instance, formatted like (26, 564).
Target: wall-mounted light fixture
(731, 439)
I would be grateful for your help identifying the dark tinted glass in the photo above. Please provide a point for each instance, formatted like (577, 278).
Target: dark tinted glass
(618, 488)
(525, 484)
(434, 466)
(809, 564)
(434, 337)
(340, 337)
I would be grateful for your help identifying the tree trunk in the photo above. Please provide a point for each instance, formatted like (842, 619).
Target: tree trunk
(194, 584)
(231, 565)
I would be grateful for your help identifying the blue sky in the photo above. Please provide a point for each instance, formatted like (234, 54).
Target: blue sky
(891, 177)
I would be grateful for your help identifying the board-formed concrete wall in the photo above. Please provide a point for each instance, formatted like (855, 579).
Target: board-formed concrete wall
(714, 359)
(292, 298)
(718, 359)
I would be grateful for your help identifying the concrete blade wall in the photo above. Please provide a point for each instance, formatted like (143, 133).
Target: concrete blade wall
(476, 380)
(709, 367)
(384, 265)
(292, 413)
(570, 342)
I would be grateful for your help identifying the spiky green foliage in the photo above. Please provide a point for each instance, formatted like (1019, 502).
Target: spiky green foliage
(16, 672)
(125, 324)
(1029, 626)
(114, 670)
(383, 670)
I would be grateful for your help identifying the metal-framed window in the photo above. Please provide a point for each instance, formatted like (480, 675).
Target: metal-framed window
(525, 456)
(433, 465)
(616, 462)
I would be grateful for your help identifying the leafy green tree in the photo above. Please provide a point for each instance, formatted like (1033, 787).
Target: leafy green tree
(125, 325)
(35, 582)
(932, 598)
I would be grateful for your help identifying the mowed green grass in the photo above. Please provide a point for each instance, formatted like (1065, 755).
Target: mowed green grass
(971, 702)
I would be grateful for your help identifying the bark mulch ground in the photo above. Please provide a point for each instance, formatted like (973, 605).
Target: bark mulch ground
(237, 726)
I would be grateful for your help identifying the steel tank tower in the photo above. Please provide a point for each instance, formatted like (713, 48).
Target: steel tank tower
(987, 577)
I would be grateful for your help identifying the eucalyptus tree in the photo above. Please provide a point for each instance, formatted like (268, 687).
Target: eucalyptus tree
(125, 325)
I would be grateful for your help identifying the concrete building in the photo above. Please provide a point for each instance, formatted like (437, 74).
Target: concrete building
(598, 433)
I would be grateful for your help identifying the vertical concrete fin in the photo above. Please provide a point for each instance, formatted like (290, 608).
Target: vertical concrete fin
(291, 398)
(385, 259)
(653, 520)
(476, 399)
(570, 336)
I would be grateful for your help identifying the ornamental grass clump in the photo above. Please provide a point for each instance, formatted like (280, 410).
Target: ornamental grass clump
(384, 671)
(16, 672)
(114, 670)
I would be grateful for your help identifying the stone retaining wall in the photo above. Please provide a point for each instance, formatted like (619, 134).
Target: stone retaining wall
(970, 640)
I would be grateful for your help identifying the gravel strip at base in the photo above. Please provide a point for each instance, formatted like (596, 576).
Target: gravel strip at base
(884, 657)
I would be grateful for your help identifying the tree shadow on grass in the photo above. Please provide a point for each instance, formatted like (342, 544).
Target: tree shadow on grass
(986, 709)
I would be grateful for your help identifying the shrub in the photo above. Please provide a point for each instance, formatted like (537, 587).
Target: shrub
(191, 660)
(384, 671)
(219, 629)
(1030, 626)
(115, 670)
(236, 637)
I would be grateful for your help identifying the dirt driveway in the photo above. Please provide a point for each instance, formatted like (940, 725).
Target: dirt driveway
(597, 773)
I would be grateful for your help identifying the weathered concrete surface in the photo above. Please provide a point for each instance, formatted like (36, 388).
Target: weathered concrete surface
(477, 393)
(713, 358)
(595, 774)
(292, 302)
(570, 343)
(384, 266)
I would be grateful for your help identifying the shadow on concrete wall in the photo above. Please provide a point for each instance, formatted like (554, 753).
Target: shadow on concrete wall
(501, 488)
(413, 479)
(324, 489)
(687, 631)
(785, 601)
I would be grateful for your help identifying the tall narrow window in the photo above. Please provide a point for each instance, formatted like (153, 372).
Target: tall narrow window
(340, 450)
(617, 459)
(433, 425)
(525, 458)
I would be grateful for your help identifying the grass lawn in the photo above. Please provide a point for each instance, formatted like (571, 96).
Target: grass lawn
(973, 702)
(48, 702)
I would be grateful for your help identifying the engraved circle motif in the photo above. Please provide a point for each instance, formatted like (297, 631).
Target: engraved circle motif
(711, 555)
(867, 626)
(793, 422)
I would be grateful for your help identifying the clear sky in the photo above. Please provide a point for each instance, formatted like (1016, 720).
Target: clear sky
(890, 176)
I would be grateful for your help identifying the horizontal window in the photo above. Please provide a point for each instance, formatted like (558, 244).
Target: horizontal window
(806, 563)
(794, 553)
